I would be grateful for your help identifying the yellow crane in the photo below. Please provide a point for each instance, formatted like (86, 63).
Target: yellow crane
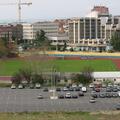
(19, 4)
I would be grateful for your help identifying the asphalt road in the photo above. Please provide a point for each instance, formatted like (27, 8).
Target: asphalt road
(25, 100)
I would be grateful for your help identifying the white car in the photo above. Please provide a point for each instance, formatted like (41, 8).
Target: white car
(119, 93)
(74, 85)
(20, 86)
(68, 95)
(40, 96)
(80, 85)
(84, 89)
(37, 85)
(65, 89)
(13, 86)
(91, 86)
(92, 100)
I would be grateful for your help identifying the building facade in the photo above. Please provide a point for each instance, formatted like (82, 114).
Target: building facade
(93, 32)
(30, 30)
(52, 30)
(11, 32)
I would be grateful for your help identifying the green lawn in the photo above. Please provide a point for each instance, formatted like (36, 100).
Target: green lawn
(59, 116)
(78, 65)
(9, 67)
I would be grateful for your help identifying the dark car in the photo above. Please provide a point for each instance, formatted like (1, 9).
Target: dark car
(114, 89)
(58, 89)
(118, 106)
(108, 89)
(97, 89)
(61, 96)
(102, 95)
(45, 90)
(71, 89)
(77, 89)
(94, 95)
(81, 93)
(74, 96)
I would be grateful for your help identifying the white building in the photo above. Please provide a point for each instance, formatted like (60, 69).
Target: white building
(30, 29)
(103, 76)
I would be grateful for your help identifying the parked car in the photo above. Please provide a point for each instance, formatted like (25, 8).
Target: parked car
(37, 86)
(118, 106)
(77, 89)
(97, 89)
(84, 89)
(81, 93)
(115, 95)
(45, 90)
(65, 89)
(68, 95)
(58, 89)
(20, 86)
(13, 86)
(74, 85)
(114, 89)
(74, 96)
(102, 95)
(94, 95)
(108, 89)
(31, 86)
(61, 96)
(92, 100)
(71, 89)
(91, 85)
(40, 96)
(108, 95)
(80, 85)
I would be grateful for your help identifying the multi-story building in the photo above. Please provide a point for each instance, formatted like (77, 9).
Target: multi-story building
(93, 33)
(11, 32)
(30, 30)
(51, 29)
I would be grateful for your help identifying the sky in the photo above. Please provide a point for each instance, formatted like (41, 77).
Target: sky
(53, 9)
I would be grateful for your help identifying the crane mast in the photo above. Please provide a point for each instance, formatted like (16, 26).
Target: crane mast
(19, 4)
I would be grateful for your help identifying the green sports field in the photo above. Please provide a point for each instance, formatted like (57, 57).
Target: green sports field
(9, 67)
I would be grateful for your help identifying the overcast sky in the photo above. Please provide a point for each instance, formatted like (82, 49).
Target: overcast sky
(52, 9)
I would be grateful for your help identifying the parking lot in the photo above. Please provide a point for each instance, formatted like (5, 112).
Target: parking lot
(21, 100)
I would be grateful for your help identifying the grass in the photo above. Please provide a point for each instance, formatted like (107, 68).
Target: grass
(4, 85)
(9, 67)
(78, 65)
(58, 116)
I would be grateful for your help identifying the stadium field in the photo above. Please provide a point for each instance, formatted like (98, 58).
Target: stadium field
(9, 67)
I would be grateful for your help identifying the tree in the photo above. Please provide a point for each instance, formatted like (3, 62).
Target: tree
(85, 77)
(115, 41)
(41, 40)
(37, 78)
(3, 49)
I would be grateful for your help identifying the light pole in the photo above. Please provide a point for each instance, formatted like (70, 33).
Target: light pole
(53, 77)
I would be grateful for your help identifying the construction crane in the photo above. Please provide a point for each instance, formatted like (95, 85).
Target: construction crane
(19, 4)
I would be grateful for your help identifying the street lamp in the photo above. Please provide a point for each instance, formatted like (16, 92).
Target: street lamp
(54, 97)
